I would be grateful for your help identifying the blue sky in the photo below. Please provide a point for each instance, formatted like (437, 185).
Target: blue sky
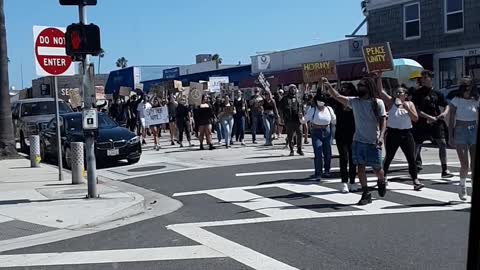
(149, 32)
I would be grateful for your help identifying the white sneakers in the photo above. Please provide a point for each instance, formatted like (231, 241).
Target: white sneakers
(353, 187)
(344, 188)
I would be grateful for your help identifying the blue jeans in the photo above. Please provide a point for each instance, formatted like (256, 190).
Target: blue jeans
(268, 120)
(238, 127)
(256, 118)
(322, 148)
(227, 124)
(219, 130)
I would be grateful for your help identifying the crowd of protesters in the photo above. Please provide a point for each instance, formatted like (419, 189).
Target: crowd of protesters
(399, 118)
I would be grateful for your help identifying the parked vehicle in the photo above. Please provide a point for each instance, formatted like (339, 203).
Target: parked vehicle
(31, 115)
(112, 143)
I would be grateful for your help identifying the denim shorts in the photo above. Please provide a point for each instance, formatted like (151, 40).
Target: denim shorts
(466, 135)
(367, 155)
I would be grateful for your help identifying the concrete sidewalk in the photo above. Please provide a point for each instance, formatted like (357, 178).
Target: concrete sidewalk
(32, 200)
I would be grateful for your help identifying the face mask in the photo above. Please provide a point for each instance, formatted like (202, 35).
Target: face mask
(320, 103)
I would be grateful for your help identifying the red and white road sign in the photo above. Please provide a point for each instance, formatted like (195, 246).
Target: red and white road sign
(49, 49)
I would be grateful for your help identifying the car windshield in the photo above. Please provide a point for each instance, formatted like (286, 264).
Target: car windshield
(75, 122)
(42, 108)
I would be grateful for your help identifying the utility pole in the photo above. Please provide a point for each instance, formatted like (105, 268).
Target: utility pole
(89, 101)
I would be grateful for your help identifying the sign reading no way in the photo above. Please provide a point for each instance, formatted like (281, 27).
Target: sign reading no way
(49, 49)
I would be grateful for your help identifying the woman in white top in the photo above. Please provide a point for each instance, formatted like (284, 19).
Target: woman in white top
(463, 127)
(399, 132)
(321, 118)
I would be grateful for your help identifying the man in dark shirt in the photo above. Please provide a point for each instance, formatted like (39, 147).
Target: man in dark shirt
(431, 123)
(292, 111)
(183, 117)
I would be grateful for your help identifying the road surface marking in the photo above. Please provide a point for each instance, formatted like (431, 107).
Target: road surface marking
(109, 256)
(262, 205)
(5, 219)
(425, 193)
(231, 249)
(312, 170)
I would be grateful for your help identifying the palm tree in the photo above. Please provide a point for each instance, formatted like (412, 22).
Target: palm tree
(7, 139)
(100, 56)
(216, 57)
(122, 62)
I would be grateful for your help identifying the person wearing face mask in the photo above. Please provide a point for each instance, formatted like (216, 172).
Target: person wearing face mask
(205, 117)
(344, 139)
(257, 110)
(292, 112)
(320, 118)
(370, 118)
(239, 118)
(183, 116)
(399, 131)
(226, 118)
(132, 105)
(217, 107)
(141, 109)
(463, 126)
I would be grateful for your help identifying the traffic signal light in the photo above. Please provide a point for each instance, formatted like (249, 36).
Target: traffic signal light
(78, 2)
(82, 39)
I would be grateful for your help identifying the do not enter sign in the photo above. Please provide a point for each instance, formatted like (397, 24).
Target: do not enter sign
(49, 49)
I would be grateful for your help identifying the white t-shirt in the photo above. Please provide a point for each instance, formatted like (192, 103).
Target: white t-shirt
(142, 107)
(467, 109)
(399, 118)
(320, 118)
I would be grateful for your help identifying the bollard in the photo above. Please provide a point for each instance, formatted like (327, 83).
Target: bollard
(76, 160)
(35, 157)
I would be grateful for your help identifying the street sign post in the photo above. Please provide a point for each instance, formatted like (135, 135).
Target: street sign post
(51, 60)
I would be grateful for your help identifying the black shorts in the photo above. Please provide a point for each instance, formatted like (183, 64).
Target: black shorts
(434, 131)
(171, 119)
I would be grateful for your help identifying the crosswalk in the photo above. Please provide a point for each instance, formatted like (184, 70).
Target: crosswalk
(274, 209)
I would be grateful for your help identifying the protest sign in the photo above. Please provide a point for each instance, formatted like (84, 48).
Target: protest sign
(100, 93)
(124, 91)
(378, 57)
(263, 81)
(75, 98)
(214, 84)
(314, 72)
(156, 116)
(196, 92)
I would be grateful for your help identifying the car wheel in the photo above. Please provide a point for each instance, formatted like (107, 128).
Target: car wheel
(23, 145)
(133, 160)
(68, 158)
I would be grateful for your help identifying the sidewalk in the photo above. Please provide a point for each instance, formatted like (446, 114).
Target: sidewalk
(33, 201)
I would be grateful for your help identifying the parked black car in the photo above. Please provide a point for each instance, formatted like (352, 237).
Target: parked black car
(113, 142)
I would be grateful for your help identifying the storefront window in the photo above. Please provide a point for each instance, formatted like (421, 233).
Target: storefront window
(451, 70)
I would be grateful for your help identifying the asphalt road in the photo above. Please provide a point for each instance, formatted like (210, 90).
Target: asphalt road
(269, 218)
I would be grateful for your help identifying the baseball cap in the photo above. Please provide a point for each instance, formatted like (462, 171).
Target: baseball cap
(415, 75)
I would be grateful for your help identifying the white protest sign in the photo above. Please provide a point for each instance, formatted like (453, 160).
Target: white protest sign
(214, 84)
(156, 116)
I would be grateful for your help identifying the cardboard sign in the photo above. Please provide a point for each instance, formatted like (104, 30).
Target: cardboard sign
(124, 91)
(263, 81)
(156, 116)
(196, 93)
(214, 84)
(378, 57)
(314, 72)
(75, 98)
(100, 93)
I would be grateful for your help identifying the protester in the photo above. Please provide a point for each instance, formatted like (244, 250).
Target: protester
(270, 113)
(431, 123)
(257, 110)
(399, 131)
(218, 125)
(292, 112)
(368, 138)
(226, 118)
(156, 129)
(132, 106)
(344, 138)
(172, 122)
(463, 126)
(141, 108)
(279, 124)
(239, 118)
(118, 111)
(183, 118)
(320, 118)
(205, 118)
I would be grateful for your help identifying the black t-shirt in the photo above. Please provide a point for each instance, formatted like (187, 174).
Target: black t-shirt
(182, 113)
(291, 108)
(239, 107)
(345, 128)
(428, 101)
